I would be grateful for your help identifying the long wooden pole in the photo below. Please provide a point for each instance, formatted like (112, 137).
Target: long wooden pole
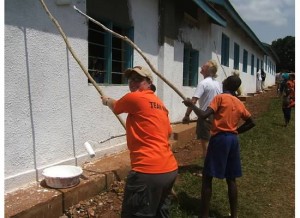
(136, 48)
(75, 56)
(219, 59)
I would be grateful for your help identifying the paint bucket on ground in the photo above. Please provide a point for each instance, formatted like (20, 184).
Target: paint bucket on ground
(62, 176)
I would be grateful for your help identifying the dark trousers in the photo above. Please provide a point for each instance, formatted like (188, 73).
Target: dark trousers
(287, 114)
(146, 195)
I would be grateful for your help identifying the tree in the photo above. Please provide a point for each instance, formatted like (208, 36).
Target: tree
(285, 50)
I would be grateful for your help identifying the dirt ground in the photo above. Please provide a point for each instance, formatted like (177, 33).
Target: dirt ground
(108, 204)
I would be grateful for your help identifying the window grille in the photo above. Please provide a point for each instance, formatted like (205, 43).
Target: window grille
(109, 56)
(190, 67)
(252, 64)
(236, 62)
(225, 50)
(245, 60)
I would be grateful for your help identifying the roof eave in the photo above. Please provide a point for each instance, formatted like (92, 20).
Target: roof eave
(212, 13)
(236, 17)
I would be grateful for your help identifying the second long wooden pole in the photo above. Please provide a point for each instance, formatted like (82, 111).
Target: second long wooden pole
(136, 48)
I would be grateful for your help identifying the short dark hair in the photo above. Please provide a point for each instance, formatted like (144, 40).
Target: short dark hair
(232, 83)
(153, 87)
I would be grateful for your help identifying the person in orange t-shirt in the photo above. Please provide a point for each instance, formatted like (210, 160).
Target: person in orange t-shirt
(290, 84)
(288, 98)
(154, 167)
(223, 153)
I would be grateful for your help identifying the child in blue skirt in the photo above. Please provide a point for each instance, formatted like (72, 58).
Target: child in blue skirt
(223, 154)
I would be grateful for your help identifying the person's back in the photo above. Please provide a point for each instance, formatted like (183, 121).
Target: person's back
(154, 167)
(290, 84)
(229, 111)
(287, 103)
(148, 132)
(206, 91)
(258, 81)
(258, 75)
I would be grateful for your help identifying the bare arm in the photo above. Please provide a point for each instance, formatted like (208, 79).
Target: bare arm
(110, 102)
(249, 124)
(186, 118)
(200, 113)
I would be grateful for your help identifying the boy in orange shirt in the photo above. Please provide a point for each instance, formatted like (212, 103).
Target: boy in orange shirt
(223, 154)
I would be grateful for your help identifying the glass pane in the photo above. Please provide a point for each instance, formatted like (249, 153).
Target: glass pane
(116, 78)
(117, 66)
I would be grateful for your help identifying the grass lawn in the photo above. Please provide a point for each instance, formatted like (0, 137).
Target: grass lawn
(267, 187)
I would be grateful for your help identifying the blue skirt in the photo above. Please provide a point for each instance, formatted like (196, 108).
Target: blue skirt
(223, 157)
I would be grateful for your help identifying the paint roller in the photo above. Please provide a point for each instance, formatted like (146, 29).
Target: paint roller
(89, 149)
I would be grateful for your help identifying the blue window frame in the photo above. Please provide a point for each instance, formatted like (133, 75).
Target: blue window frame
(225, 50)
(190, 67)
(236, 61)
(252, 64)
(109, 56)
(245, 60)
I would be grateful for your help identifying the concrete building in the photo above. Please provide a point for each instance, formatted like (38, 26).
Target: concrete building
(51, 109)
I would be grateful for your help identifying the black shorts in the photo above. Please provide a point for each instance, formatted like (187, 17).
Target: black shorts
(203, 128)
(146, 195)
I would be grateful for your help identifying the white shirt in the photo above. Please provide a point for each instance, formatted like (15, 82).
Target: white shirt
(206, 90)
(258, 75)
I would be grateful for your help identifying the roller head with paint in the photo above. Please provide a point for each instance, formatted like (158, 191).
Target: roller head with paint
(89, 149)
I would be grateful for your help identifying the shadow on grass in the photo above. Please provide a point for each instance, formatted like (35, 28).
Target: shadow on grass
(191, 206)
(192, 168)
(278, 124)
(188, 204)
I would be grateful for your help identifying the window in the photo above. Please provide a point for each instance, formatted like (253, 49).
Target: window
(257, 64)
(245, 61)
(252, 64)
(266, 63)
(236, 61)
(109, 56)
(190, 67)
(225, 50)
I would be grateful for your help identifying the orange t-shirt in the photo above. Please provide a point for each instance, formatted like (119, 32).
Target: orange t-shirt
(291, 85)
(148, 130)
(228, 110)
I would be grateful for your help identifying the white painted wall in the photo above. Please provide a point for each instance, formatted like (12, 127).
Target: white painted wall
(51, 110)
